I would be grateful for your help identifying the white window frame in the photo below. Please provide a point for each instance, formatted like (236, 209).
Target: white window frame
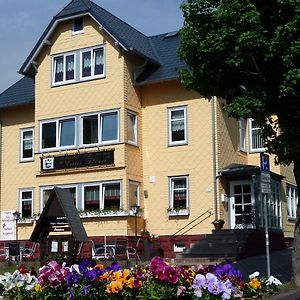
(22, 139)
(74, 32)
(50, 187)
(276, 204)
(64, 81)
(171, 189)
(101, 191)
(99, 114)
(93, 76)
(21, 191)
(242, 134)
(176, 143)
(138, 198)
(253, 150)
(58, 134)
(292, 201)
(135, 128)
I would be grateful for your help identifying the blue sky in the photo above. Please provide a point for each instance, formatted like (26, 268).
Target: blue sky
(23, 21)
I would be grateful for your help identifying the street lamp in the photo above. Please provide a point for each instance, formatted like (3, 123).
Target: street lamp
(16, 216)
(135, 210)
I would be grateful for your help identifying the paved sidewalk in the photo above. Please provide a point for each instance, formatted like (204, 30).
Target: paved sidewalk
(280, 261)
(289, 294)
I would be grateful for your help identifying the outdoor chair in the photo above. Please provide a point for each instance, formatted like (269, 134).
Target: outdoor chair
(29, 251)
(102, 251)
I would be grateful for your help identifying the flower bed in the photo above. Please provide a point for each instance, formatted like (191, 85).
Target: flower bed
(158, 280)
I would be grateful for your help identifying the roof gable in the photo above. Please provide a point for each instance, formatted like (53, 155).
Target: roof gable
(128, 37)
(60, 204)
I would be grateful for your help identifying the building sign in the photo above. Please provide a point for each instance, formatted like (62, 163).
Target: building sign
(75, 161)
(265, 178)
(8, 226)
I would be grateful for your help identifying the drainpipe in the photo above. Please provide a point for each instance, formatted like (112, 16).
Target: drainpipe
(213, 127)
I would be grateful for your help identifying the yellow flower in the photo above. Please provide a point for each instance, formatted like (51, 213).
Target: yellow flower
(38, 288)
(255, 283)
(114, 287)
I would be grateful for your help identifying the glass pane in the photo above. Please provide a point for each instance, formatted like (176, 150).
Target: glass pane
(109, 126)
(78, 24)
(177, 114)
(247, 198)
(27, 134)
(70, 72)
(131, 134)
(238, 209)
(27, 148)
(86, 64)
(27, 195)
(58, 69)
(49, 135)
(237, 189)
(91, 197)
(98, 59)
(133, 194)
(90, 129)
(112, 196)
(179, 183)
(248, 219)
(238, 199)
(46, 194)
(177, 129)
(247, 209)
(247, 188)
(67, 132)
(73, 193)
(26, 209)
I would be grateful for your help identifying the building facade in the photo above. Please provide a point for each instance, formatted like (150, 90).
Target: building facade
(101, 112)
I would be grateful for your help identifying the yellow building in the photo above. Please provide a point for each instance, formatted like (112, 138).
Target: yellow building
(100, 111)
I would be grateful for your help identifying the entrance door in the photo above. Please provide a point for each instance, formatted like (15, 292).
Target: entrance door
(241, 204)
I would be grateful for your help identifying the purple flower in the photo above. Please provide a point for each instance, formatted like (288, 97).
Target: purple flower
(90, 275)
(85, 290)
(227, 290)
(115, 266)
(199, 281)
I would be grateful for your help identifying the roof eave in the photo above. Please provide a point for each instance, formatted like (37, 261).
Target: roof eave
(154, 81)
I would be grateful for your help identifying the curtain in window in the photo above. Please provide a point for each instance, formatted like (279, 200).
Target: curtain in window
(91, 197)
(177, 125)
(98, 61)
(27, 144)
(59, 68)
(179, 193)
(86, 64)
(26, 205)
(111, 196)
(257, 139)
(70, 71)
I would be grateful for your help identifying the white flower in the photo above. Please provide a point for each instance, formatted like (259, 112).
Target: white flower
(273, 280)
(75, 267)
(253, 275)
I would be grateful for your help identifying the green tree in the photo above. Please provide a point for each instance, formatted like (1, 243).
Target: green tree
(248, 52)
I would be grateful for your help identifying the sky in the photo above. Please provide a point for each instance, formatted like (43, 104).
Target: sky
(22, 22)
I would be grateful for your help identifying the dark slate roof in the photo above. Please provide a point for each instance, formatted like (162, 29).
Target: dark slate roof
(166, 47)
(22, 92)
(237, 170)
(60, 204)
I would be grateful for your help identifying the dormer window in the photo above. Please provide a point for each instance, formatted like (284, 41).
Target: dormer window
(77, 25)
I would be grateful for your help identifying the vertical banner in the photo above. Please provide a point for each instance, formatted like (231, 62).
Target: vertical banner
(8, 226)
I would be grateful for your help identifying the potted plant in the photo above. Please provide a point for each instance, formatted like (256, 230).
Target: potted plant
(218, 223)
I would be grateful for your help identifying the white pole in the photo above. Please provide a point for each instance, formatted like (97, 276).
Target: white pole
(267, 236)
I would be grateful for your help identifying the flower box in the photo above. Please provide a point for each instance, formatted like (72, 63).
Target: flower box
(180, 212)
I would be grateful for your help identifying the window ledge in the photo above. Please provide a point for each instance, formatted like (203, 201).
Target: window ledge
(120, 213)
(292, 219)
(180, 212)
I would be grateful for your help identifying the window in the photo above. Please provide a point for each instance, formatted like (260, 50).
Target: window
(134, 194)
(100, 128)
(58, 134)
(102, 196)
(292, 201)
(92, 63)
(177, 126)
(242, 133)
(78, 25)
(26, 203)
(179, 193)
(46, 191)
(63, 68)
(27, 142)
(132, 128)
(255, 137)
